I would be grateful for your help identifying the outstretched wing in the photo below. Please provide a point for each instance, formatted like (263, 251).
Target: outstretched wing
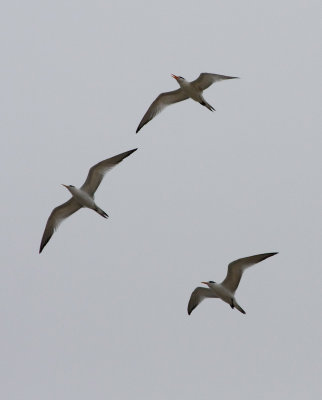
(163, 100)
(199, 294)
(237, 267)
(56, 217)
(97, 172)
(205, 80)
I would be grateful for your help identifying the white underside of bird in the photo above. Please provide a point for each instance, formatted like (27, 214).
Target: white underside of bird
(85, 200)
(81, 197)
(193, 90)
(217, 290)
(227, 288)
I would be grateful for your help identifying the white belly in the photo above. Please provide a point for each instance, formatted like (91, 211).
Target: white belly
(83, 198)
(192, 92)
(222, 293)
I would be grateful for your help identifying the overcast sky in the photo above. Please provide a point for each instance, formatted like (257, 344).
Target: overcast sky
(101, 313)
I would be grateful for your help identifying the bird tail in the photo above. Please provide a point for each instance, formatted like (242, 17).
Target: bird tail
(238, 307)
(101, 212)
(204, 103)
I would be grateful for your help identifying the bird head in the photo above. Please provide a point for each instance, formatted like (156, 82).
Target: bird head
(179, 79)
(69, 187)
(209, 283)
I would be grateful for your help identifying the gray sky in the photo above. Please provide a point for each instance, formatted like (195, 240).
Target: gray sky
(101, 313)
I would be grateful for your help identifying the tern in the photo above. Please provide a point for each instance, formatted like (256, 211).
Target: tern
(187, 89)
(82, 197)
(226, 289)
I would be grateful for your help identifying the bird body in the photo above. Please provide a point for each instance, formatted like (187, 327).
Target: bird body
(189, 89)
(224, 294)
(221, 292)
(193, 93)
(193, 90)
(85, 200)
(227, 288)
(81, 197)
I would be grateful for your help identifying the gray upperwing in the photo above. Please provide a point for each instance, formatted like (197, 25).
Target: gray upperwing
(56, 217)
(97, 171)
(205, 80)
(163, 100)
(197, 296)
(237, 267)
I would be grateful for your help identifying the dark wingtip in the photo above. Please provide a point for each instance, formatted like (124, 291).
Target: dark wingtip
(42, 245)
(128, 153)
(140, 126)
(189, 310)
(267, 255)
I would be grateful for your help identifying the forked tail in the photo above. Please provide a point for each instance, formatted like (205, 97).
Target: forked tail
(204, 103)
(238, 307)
(234, 304)
(101, 212)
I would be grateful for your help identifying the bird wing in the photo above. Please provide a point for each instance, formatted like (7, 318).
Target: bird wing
(163, 100)
(237, 267)
(97, 172)
(56, 217)
(197, 296)
(205, 80)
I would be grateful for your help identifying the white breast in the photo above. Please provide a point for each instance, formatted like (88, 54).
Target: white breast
(83, 198)
(191, 91)
(222, 292)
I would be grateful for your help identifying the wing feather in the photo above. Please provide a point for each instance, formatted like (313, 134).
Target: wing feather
(197, 296)
(205, 80)
(56, 217)
(237, 267)
(163, 100)
(97, 172)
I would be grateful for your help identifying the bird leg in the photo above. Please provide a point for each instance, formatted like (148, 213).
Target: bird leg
(232, 303)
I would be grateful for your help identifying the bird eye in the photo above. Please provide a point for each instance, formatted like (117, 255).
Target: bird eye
(181, 77)
(211, 282)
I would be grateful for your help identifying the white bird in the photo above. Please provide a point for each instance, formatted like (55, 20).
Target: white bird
(226, 289)
(82, 197)
(187, 89)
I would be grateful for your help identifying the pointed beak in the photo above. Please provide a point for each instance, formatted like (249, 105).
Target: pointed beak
(206, 283)
(175, 76)
(64, 185)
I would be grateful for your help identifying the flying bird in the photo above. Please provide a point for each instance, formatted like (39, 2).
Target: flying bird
(187, 89)
(227, 288)
(82, 197)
